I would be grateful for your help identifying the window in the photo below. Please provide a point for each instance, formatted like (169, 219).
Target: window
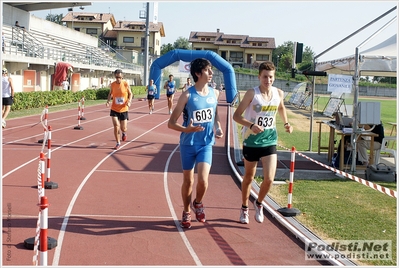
(128, 39)
(262, 57)
(91, 31)
(236, 56)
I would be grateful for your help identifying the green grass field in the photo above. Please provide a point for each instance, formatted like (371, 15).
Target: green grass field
(342, 209)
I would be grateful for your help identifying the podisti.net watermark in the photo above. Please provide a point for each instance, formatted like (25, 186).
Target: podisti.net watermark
(349, 249)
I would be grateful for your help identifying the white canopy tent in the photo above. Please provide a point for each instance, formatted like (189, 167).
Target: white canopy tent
(379, 60)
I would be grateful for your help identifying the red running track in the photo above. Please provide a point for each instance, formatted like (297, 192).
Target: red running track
(123, 207)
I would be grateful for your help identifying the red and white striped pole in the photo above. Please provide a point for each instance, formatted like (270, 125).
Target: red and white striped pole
(291, 184)
(41, 240)
(289, 210)
(82, 101)
(43, 231)
(42, 174)
(49, 184)
(79, 117)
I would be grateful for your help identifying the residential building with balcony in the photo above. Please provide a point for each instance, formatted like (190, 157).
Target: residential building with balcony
(94, 24)
(238, 50)
(126, 37)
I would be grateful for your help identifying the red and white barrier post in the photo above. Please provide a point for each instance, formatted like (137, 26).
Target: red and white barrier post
(82, 108)
(79, 116)
(43, 231)
(289, 210)
(49, 184)
(41, 240)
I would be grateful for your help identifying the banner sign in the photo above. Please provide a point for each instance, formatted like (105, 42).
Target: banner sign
(340, 83)
(184, 67)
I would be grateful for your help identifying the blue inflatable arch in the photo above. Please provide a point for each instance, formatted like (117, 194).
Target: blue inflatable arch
(189, 55)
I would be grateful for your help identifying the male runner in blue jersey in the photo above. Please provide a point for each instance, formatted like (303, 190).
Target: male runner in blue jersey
(200, 126)
(170, 91)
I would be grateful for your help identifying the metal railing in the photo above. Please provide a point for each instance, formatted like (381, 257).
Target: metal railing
(23, 43)
(26, 42)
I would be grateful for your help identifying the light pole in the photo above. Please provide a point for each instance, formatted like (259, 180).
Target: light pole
(146, 39)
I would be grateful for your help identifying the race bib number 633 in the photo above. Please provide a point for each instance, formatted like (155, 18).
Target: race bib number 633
(265, 121)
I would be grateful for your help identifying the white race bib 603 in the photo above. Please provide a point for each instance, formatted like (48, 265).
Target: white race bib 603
(203, 116)
(151, 92)
(265, 121)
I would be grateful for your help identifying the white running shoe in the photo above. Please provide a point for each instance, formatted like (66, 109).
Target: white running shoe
(258, 212)
(244, 215)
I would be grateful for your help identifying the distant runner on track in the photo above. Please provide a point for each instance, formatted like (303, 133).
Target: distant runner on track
(121, 95)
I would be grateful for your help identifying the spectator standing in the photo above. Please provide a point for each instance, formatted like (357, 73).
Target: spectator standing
(65, 84)
(7, 94)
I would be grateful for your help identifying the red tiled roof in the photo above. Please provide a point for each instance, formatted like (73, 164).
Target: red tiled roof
(124, 26)
(244, 40)
(98, 17)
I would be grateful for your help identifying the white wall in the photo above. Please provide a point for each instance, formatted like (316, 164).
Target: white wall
(10, 15)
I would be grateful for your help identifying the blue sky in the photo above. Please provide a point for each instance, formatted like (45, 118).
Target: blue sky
(317, 24)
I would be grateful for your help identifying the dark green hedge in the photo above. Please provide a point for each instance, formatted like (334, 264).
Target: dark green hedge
(38, 99)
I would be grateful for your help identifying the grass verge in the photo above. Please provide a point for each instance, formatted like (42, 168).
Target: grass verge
(344, 210)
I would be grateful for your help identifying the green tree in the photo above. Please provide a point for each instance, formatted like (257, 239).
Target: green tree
(283, 55)
(165, 48)
(55, 18)
(182, 43)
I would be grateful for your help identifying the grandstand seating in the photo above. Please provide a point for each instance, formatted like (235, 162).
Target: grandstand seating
(45, 45)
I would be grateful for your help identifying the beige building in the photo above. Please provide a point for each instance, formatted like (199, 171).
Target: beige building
(123, 36)
(94, 24)
(239, 50)
(130, 35)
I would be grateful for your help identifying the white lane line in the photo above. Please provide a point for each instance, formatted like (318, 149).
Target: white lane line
(49, 120)
(172, 212)
(67, 127)
(64, 145)
(57, 252)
